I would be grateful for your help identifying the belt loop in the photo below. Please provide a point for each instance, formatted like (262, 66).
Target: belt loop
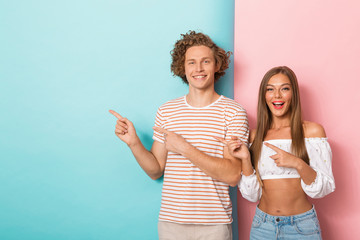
(314, 211)
(292, 220)
(264, 217)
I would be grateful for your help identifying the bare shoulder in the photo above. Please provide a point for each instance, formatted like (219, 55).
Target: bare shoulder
(313, 130)
(252, 135)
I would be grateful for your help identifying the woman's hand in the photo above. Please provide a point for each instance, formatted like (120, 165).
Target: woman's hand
(236, 148)
(283, 158)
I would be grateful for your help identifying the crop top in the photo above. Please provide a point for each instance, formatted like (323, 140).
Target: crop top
(320, 156)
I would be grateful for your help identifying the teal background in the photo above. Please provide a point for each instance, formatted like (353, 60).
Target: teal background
(63, 172)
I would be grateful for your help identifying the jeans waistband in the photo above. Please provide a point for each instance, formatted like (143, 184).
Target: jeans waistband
(284, 219)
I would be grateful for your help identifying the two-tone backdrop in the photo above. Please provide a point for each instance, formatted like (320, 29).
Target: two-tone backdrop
(63, 64)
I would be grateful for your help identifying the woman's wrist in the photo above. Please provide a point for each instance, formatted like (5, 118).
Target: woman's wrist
(247, 167)
(248, 172)
(299, 164)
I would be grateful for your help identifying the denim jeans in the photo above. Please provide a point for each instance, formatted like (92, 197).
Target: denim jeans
(301, 226)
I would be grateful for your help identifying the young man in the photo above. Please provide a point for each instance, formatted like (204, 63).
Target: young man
(197, 168)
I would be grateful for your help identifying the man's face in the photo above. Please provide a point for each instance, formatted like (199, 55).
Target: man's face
(200, 67)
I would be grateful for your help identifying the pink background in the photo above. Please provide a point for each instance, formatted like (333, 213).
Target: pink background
(320, 41)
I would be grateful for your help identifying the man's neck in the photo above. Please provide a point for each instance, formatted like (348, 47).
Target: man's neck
(196, 98)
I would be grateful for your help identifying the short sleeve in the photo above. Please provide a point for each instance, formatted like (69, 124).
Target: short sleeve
(320, 155)
(159, 122)
(238, 125)
(249, 187)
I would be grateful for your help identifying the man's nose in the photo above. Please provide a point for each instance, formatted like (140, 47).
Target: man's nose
(199, 67)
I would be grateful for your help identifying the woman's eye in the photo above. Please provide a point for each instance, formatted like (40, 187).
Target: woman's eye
(269, 89)
(286, 89)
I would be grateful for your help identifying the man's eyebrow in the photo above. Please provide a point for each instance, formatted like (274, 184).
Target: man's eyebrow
(192, 59)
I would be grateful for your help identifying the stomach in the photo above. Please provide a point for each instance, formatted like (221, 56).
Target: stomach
(283, 197)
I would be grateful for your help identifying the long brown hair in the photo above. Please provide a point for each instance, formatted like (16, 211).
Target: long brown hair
(264, 118)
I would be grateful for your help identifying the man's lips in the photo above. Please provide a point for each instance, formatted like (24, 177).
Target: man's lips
(199, 76)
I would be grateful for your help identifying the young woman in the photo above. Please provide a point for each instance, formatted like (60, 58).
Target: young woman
(292, 160)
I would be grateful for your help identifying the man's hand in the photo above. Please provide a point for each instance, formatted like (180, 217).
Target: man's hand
(173, 142)
(125, 130)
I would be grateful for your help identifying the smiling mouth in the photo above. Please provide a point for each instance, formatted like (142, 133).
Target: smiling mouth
(278, 105)
(200, 77)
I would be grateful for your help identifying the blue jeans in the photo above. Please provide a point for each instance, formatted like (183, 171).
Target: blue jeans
(301, 226)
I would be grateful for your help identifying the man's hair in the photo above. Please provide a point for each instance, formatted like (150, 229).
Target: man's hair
(191, 39)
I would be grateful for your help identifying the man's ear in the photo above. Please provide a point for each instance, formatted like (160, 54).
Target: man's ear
(218, 66)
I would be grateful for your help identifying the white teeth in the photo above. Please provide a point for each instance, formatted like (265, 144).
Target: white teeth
(278, 104)
(199, 76)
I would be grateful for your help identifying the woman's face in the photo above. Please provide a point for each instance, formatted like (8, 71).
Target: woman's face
(278, 95)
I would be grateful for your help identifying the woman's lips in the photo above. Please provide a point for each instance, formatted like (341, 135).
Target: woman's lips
(278, 105)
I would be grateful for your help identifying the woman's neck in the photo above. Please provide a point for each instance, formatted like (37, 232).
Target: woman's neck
(280, 123)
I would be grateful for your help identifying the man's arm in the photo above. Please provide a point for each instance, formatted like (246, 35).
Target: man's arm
(226, 169)
(153, 161)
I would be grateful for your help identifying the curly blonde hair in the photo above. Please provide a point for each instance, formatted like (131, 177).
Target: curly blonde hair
(190, 39)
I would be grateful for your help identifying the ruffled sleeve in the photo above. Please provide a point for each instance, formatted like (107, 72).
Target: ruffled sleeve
(249, 187)
(320, 155)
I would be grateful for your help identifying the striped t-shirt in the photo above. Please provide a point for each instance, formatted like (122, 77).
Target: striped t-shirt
(188, 194)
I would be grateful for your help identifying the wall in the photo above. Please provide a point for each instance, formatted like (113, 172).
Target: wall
(319, 40)
(63, 64)
(64, 175)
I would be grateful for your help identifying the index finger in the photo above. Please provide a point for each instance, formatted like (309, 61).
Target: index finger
(220, 140)
(118, 116)
(235, 138)
(276, 149)
(161, 130)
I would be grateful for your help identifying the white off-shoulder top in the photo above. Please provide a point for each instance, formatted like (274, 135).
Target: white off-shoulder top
(320, 155)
